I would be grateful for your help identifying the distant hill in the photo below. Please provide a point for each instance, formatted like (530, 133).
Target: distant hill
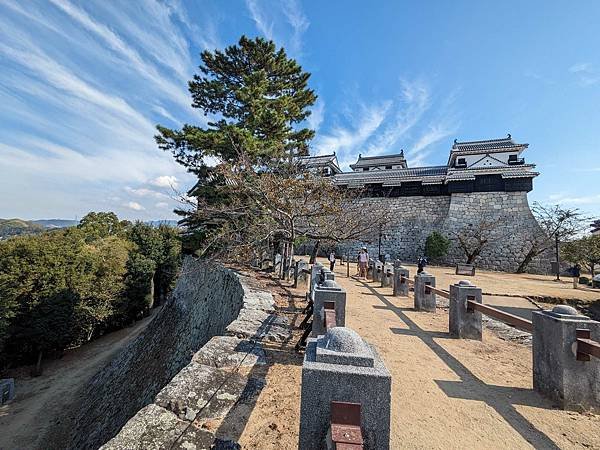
(155, 223)
(56, 223)
(15, 227)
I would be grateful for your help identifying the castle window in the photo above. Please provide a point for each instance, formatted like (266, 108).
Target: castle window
(388, 167)
(365, 169)
(461, 162)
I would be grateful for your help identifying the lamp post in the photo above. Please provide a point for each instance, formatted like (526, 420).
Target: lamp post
(380, 236)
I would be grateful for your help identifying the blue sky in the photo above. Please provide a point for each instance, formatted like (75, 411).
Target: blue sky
(83, 83)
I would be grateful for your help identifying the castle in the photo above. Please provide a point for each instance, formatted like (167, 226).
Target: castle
(483, 182)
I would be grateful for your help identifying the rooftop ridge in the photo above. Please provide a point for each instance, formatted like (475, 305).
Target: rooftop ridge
(394, 155)
(508, 138)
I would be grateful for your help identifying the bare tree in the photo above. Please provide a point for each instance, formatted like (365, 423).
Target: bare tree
(475, 237)
(557, 225)
(260, 209)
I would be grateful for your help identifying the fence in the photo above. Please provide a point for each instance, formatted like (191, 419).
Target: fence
(346, 389)
(566, 351)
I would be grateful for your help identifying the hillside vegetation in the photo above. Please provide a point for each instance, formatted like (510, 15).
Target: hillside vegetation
(64, 287)
(15, 227)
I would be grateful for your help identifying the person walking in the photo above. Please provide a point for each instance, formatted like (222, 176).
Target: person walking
(363, 260)
(331, 260)
(421, 263)
(576, 271)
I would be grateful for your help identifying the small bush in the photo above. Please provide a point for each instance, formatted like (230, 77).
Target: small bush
(436, 245)
(584, 280)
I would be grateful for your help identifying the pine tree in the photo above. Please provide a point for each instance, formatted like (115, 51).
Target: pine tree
(259, 99)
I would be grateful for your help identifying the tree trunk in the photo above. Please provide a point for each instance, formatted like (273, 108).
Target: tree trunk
(37, 370)
(313, 256)
(557, 260)
(528, 258)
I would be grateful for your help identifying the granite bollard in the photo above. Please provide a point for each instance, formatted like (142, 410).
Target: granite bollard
(464, 324)
(387, 275)
(315, 275)
(424, 297)
(378, 271)
(329, 291)
(401, 275)
(557, 373)
(341, 367)
(371, 269)
(7, 390)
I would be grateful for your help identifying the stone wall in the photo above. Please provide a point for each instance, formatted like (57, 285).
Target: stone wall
(206, 300)
(412, 219)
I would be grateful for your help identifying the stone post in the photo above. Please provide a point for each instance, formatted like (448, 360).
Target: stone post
(315, 275)
(340, 366)
(7, 390)
(371, 269)
(377, 273)
(557, 372)
(464, 324)
(327, 275)
(387, 275)
(302, 275)
(424, 297)
(329, 291)
(400, 285)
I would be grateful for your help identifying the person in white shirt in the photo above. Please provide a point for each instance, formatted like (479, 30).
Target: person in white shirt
(363, 261)
(331, 261)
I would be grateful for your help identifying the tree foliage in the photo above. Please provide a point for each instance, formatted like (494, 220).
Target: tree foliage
(584, 251)
(256, 195)
(557, 225)
(62, 288)
(436, 245)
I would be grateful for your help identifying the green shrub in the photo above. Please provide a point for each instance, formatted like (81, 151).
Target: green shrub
(436, 245)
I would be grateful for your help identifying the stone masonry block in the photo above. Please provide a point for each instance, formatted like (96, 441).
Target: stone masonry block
(424, 297)
(387, 276)
(341, 366)
(401, 287)
(557, 373)
(463, 323)
(329, 291)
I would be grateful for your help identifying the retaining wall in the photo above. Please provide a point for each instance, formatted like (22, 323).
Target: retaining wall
(412, 219)
(206, 300)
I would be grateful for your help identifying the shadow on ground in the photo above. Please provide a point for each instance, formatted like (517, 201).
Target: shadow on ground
(470, 387)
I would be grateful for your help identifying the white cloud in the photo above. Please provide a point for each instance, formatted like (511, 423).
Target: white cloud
(298, 21)
(347, 139)
(263, 24)
(414, 101)
(132, 57)
(166, 181)
(574, 200)
(144, 192)
(162, 205)
(135, 206)
(317, 115)
(267, 18)
(586, 73)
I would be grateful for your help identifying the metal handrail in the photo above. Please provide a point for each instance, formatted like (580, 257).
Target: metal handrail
(510, 319)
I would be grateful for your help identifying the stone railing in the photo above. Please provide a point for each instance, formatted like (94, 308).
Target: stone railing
(566, 348)
(209, 384)
(346, 388)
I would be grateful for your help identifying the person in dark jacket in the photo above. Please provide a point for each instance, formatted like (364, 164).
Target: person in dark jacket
(421, 263)
(576, 272)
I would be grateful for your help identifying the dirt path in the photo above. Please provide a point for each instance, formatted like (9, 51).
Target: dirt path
(39, 400)
(449, 393)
